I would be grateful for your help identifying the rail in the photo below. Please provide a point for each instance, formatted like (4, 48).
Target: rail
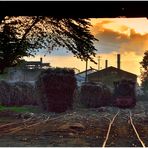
(136, 132)
(109, 128)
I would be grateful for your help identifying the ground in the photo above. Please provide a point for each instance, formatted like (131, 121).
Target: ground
(78, 127)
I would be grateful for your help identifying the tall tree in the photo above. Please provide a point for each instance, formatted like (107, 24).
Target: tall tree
(10, 55)
(144, 73)
(26, 34)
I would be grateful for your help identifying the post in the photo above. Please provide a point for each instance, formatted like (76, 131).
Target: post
(98, 62)
(106, 63)
(118, 61)
(86, 69)
(41, 61)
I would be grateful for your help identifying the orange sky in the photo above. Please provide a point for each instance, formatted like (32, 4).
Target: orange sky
(127, 36)
(117, 24)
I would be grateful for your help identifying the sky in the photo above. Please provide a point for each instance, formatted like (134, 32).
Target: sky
(127, 36)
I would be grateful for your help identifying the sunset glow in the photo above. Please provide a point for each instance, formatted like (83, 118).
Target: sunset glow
(122, 25)
(127, 36)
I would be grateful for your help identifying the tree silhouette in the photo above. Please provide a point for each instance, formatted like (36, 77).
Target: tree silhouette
(144, 73)
(23, 35)
(10, 55)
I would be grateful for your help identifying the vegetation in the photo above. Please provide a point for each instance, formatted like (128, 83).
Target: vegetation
(23, 35)
(56, 89)
(10, 54)
(17, 109)
(4, 76)
(94, 95)
(144, 74)
(17, 94)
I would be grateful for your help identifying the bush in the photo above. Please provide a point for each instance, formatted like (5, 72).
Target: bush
(95, 95)
(17, 93)
(55, 88)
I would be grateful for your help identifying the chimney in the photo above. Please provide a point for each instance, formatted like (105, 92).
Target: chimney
(41, 60)
(118, 61)
(106, 63)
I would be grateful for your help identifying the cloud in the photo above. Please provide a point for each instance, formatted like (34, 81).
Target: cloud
(113, 36)
(123, 40)
(109, 41)
(136, 43)
(123, 28)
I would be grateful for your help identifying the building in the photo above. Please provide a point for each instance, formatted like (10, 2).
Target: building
(110, 74)
(35, 64)
(27, 71)
(80, 77)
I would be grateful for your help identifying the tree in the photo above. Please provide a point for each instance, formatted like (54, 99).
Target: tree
(144, 73)
(10, 54)
(23, 35)
(144, 62)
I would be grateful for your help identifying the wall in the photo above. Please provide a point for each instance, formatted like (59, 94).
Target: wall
(23, 74)
(110, 75)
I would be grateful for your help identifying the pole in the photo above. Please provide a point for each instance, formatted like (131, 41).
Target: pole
(86, 70)
(118, 61)
(106, 63)
(99, 58)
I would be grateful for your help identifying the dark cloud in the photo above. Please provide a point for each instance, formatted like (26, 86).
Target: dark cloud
(136, 43)
(110, 40)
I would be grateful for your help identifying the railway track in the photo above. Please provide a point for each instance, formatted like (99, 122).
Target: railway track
(135, 132)
(14, 127)
(113, 127)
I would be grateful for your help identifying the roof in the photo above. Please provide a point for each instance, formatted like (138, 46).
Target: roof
(85, 71)
(114, 68)
(37, 63)
(33, 63)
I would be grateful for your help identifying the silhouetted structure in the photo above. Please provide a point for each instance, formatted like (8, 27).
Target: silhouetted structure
(36, 64)
(111, 74)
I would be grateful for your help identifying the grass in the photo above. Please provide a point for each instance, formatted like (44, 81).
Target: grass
(22, 109)
(3, 76)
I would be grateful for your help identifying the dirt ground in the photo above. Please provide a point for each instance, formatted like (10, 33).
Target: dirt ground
(80, 127)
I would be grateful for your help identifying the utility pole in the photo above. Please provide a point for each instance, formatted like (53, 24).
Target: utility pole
(99, 59)
(86, 69)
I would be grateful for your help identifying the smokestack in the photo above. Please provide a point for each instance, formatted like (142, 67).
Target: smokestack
(118, 61)
(41, 60)
(106, 63)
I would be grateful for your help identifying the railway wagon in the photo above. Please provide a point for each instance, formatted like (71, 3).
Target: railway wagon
(124, 94)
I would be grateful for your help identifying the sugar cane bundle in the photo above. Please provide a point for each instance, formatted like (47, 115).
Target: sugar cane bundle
(17, 94)
(94, 95)
(56, 88)
(23, 93)
(5, 98)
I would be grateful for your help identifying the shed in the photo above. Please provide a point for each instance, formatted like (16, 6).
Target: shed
(111, 74)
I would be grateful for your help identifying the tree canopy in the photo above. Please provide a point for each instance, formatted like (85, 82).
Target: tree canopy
(144, 62)
(144, 73)
(23, 35)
